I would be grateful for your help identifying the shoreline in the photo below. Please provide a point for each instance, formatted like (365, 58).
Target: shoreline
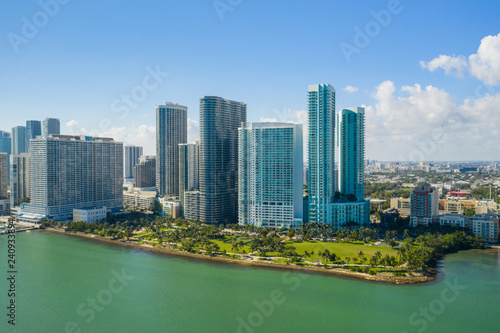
(397, 280)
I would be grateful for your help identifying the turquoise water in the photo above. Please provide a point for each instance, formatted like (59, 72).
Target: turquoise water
(69, 284)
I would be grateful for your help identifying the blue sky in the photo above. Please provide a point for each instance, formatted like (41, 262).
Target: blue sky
(82, 60)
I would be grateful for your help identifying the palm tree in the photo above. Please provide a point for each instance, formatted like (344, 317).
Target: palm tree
(406, 233)
(128, 233)
(360, 254)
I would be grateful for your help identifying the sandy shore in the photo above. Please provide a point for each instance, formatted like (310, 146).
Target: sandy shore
(330, 271)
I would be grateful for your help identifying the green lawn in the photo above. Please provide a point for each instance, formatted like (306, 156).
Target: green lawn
(226, 244)
(340, 249)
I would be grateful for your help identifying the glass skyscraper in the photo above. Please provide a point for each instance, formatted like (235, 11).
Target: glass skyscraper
(324, 205)
(351, 145)
(5, 145)
(33, 129)
(20, 178)
(270, 164)
(18, 140)
(189, 168)
(131, 158)
(51, 126)
(171, 130)
(217, 200)
(321, 150)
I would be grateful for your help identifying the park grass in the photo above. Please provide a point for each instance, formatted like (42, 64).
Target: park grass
(342, 250)
(225, 244)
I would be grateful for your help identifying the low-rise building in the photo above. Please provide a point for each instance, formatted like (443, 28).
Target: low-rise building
(4, 207)
(89, 215)
(486, 226)
(171, 206)
(29, 218)
(402, 205)
(458, 205)
(139, 200)
(455, 220)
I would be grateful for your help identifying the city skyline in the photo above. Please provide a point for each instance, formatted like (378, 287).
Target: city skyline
(424, 97)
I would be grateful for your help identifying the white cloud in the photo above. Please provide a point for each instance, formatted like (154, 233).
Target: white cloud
(425, 123)
(450, 64)
(193, 130)
(142, 135)
(72, 123)
(483, 65)
(350, 89)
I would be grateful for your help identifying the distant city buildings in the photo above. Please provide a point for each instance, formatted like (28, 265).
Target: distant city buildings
(217, 199)
(18, 140)
(74, 172)
(33, 129)
(270, 175)
(20, 178)
(51, 126)
(458, 205)
(424, 205)
(171, 130)
(145, 172)
(131, 158)
(5, 145)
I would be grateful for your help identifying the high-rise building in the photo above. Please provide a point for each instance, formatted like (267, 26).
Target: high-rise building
(217, 198)
(74, 172)
(324, 205)
(5, 145)
(51, 126)
(270, 171)
(171, 130)
(33, 129)
(4, 167)
(20, 178)
(145, 172)
(189, 175)
(424, 205)
(351, 145)
(321, 151)
(18, 140)
(131, 158)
